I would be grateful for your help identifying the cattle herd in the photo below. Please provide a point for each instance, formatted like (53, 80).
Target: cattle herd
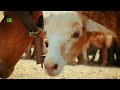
(71, 38)
(92, 50)
(81, 34)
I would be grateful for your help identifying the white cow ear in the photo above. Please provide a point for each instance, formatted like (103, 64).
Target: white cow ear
(92, 26)
(83, 18)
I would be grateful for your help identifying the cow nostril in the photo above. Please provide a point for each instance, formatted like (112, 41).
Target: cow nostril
(55, 66)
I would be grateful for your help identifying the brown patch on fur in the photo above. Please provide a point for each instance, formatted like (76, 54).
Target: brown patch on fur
(83, 40)
(109, 40)
(105, 56)
(109, 19)
(103, 41)
(14, 39)
(98, 39)
(106, 18)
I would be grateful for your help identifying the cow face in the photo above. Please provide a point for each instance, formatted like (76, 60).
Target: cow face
(67, 37)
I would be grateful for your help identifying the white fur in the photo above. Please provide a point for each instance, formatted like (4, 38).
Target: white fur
(59, 30)
(48, 13)
(96, 27)
(54, 54)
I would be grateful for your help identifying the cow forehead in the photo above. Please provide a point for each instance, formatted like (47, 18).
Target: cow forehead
(63, 22)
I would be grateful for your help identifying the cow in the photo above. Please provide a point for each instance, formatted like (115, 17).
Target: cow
(101, 42)
(111, 20)
(14, 40)
(68, 35)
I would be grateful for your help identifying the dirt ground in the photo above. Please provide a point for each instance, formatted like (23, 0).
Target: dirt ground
(28, 69)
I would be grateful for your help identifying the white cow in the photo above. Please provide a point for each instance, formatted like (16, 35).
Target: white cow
(68, 34)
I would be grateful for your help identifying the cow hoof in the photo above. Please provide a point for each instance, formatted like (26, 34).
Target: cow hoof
(90, 63)
(74, 64)
(85, 63)
(104, 64)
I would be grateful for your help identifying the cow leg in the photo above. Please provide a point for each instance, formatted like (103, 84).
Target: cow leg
(28, 52)
(91, 51)
(92, 60)
(118, 57)
(101, 57)
(80, 58)
(33, 54)
(105, 56)
(85, 57)
(117, 52)
(111, 59)
(74, 62)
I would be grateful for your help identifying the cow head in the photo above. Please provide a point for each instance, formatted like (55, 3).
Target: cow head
(68, 34)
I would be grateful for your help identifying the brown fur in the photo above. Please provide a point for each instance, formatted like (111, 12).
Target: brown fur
(100, 41)
(109, 19)
(14, 39)
(77, 47)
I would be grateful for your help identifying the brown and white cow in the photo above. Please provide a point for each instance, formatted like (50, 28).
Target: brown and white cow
(111, 20)
(99, 42)
(68, 34)
(102, 42)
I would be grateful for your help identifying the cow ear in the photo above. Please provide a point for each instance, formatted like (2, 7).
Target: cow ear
(83, 18)
(92, 26)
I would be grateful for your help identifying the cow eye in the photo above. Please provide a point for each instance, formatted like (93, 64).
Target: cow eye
(76, 35)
